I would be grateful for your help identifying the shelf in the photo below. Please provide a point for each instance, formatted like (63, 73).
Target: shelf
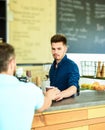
(92, 77)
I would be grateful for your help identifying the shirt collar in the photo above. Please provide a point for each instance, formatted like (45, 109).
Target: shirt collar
(64, 58)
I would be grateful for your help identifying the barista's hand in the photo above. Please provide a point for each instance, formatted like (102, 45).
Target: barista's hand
(66, 93)
(59, 96)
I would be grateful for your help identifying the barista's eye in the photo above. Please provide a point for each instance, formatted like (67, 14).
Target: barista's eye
(59, 48)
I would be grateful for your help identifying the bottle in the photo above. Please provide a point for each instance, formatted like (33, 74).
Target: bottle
(29, 76)
(38, 81)
(103, 71)
(98, 72)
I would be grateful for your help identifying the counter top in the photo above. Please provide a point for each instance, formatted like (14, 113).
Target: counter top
(85, 99)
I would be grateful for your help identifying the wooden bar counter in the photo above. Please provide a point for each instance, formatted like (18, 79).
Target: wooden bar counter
(83, 112)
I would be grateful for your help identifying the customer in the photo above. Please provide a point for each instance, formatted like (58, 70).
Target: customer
(18, 100)
(64, 73)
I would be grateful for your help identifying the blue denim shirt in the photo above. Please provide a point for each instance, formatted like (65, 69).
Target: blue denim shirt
(65, 75)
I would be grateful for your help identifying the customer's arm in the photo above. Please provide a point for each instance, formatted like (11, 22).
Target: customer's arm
(49, 96)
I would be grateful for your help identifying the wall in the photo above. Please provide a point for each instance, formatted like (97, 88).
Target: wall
(37, 49)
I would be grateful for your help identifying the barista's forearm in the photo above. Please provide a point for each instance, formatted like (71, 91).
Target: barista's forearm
(69, 92)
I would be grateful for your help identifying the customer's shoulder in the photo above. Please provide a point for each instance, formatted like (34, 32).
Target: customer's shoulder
(27, 84)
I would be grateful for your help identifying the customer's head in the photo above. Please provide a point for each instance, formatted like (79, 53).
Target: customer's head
(58, 46)
(7, 59)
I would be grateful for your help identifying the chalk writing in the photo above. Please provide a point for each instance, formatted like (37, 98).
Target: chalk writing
(83, 23)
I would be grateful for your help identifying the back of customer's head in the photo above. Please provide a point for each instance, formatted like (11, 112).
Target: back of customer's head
(7, 53)
(58, 38)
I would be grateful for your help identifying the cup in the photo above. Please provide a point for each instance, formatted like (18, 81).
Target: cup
(49, 87)
(28, 73)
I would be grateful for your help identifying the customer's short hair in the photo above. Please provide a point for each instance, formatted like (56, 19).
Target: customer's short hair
(6, 53)
(59, 38)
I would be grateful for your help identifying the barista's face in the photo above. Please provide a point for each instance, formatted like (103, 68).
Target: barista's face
(58, 51)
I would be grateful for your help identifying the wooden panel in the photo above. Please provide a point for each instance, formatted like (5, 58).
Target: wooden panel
(96, 112)
(71, 119)
(73, 124)
(65, 117)
(100, 126)
(38, 121)
(78, 128)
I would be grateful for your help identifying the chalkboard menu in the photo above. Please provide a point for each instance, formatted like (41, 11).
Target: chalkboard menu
(83, 23)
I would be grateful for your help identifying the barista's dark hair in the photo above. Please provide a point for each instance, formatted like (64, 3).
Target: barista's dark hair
(58, 38)
(7, 52)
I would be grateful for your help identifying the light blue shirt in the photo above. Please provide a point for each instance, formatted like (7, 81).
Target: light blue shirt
(18, 102)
